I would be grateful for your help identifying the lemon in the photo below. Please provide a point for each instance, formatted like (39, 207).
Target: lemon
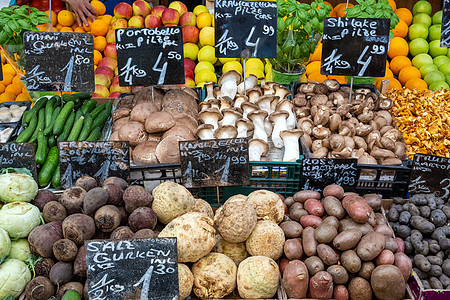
(212, 19)
(199, 9)
(205, 76)
(232, 65)
(224, 60)
(267, 67)
(254, 63)
(203, 65)
(206, 36)
(257, 72)
(207, 53)
(190, 50)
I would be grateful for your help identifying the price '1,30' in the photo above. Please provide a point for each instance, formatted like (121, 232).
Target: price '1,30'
(376, 50)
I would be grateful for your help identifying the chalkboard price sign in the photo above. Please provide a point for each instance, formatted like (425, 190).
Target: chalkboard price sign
(430, 174)
(245, 25)
(317, 173)
(215, 162)
(445, 29)
(150, 56)
(355, 47)
(18, 155)
(96, 159)
(132, 269)
(59, 61)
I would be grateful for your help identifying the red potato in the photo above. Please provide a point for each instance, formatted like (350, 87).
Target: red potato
(384, 229)
(404, 264)
(302, 196)
(391, 244)
(401, 245)
(359, 289)
(340, 292)
(357, 208)
(310, 221)
(283, 263)
(321, 286)
(386, 257)
(295, 279)
(293, 249)
(333, 190)
(314, 207)
(309, 242)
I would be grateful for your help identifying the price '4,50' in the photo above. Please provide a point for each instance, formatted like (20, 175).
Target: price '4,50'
(163, 69)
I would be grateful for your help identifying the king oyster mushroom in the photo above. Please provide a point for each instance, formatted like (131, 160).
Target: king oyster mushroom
(247, 108)
(282, 91)
(239, 100)
(250, 82)
(291, 145)
(225, 132)
(210, 116)
(258, 117)
(256, 149)
(209, 86)
(253, 94)
(230, 117)
(244, 128)
(279, 119)
(205, 132)
(288, 106)
(228, 83)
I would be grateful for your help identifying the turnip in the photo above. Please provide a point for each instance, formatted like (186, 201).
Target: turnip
(54, 211)
(40, 288)
(65, 250)
(136, 196)
(43, 197)
(141, 218)
(145, 234)
(78, 228)
(86, 182)
(43, 266)
(107, 218)
(117, 181)
(72, 199)
(122, 233)
(115, 194)
(123, 216)
(79, 265)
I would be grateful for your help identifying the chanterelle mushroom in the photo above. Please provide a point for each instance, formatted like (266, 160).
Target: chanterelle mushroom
(256, 149)
(210, 116)
(280, 124)
(258, 117)
(291, 147)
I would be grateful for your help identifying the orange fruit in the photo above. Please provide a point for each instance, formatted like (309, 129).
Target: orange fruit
(405, 15)
(55, 29)
(23, 97)
(14, 88)
(9, 69)
(340, 79)
(16, 80)
(107, 19)
(100, 43)
(398, 63)
(66, 29)
(394, 84)
(2, 88)
(416, 83)
(339, 9)
(65, 18)
(317, 54)
(313, 66)
(79, 29)
(53, 17)
(387, 64)
(393, 4)
(398, 47)
(388, 74)
(203, 20)
(44, 27)
(316, 76)
(7, 79)
(6, 97)
(87, 28)
(401, 29)
(99, 27)
(100, 8)
(58, 26)
(97, 57)
(407, 73)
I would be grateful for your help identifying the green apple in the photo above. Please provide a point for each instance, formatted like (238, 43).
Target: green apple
(422, 18)
(434, 76)
(437, 85)
(436, 49)
(427, 68)
(448, 52)
(418, 46)
(434, 32)
(417, 31)
(441, 60)
(447, 78)
(437, 17)
(422, 6)
(445, 68)
(422, 59)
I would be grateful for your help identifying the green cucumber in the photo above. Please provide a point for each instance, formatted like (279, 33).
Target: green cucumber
(61, 120)
(49, 167)
(25, 135)
(49, 107)
(66, 98)
(56, 179)
(48, 129)
(108, 107)
(101, 119)
(97, 110)
(40, 126)
(67, 128)
(51, 140)
(78, 114)
(82, 96)
(88, 106)
(41, 151)
(76, 129)
(36, 107)
(95, 135)
(87, 125)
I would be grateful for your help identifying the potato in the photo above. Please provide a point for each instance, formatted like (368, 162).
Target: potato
(42, 238)
(384, 229)
(357, 208)
(333, 221)
(325, 233)
(349, 223)
(79, 265)
(380, 219)
(387, 282)
(347, 239)
(302, 196)
(351, 261)
(321, 286)
(293, 249)
(386, 257)
(65, 250)
(94, 199)
(309, 242)
(340, 292)
(333, 207)
(136, 196)
(310, 221)
(314, 265)
(339, 274)
(391, 244)
(422, 263)
(374, 201)
(61, 273)
(359, 289)
(291, 229)
(295, 279)
(333, 190)
(141, 218)
(327, 254)
(72, 199)
(289, 201)
(314, 207)
(78, 228)
(283, 263)
(404, 264)
(371, 246)
(86, 182)
(401, 245)
(367, 268)
(54, 211)
(296, 211)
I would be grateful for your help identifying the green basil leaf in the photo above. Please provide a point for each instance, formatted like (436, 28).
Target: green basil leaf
(24, 24)
(14, 25)
(3, 37)
(43, 20)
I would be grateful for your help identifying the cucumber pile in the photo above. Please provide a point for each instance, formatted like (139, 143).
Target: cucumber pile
(75, 117)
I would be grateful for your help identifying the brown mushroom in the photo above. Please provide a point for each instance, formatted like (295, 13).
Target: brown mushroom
(391, 161)
(142, 111)
(282, 91)
(367, 159)
(320, 89)
(159, 122)
(305, 124)
(300, 100)
(322, 116)
(119, 113)
(168, 151)
(363, 130)
(306, 88)
(387, 143)
(114, 136)
(332, 84)
(133, 132)
(333, 123)
(337, 142)
(119, 123)
(145, 153)
(301, 112)
(306, 140)
(344, 153)
(187, 121)
(321, 132)
(360, 142)
(320, 153)
(347, 128)
(180, 131)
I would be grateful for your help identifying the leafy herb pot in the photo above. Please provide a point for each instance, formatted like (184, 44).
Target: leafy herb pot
(285, 78)
(17, 53)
